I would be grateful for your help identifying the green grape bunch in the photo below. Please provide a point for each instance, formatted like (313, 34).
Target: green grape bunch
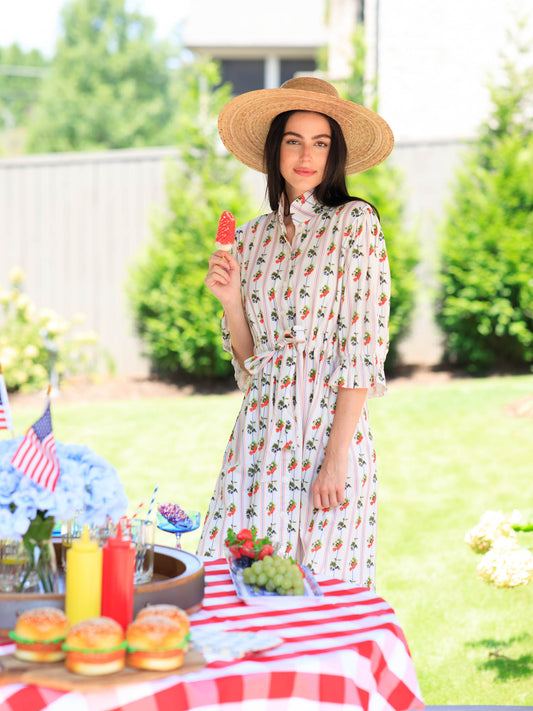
(275, 575)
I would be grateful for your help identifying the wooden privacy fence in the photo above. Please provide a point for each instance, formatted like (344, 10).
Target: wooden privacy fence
(74, 223)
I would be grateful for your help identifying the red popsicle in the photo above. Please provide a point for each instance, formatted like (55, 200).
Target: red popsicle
(225, 232)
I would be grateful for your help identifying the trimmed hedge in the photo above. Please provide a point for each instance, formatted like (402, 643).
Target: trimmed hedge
(485, 305)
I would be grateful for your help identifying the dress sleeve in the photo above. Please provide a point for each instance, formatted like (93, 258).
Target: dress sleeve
(242, 377)
(363, 324)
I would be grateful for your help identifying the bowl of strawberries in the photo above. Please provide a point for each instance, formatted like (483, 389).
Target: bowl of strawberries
(245, 547)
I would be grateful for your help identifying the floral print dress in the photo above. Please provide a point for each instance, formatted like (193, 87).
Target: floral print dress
(318, 310)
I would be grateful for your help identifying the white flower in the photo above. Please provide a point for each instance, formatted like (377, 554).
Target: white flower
(506, 564)
(22, 301)
(31, 351)
(16, 275)
(8, 356)
(492, 525)
(5, 296)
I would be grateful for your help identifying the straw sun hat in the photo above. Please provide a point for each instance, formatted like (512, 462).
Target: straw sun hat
(244, 122)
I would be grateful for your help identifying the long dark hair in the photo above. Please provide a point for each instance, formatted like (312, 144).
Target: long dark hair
(332, 191)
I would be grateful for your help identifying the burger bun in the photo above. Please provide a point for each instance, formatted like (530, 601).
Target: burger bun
(39, 634)
(95, 647)
(173, 612)
(155, 642)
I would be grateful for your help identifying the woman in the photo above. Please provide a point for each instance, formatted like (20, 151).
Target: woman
(306, 304)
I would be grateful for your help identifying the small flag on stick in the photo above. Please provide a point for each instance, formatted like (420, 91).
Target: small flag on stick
(36, 455)
(5, 414)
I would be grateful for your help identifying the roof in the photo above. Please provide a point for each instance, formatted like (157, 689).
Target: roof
(241, 24)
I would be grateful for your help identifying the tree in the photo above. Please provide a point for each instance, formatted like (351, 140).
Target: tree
(109, 84)
(485, 305)
(176, 316)
(21, 74)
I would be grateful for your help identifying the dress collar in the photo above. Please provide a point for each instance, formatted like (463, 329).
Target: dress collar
(303, 208)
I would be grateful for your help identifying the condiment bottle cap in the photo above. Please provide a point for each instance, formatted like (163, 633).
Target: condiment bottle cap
(85, 544)
(118, 541)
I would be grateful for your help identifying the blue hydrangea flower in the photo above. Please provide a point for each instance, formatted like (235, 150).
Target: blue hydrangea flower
(88, 487)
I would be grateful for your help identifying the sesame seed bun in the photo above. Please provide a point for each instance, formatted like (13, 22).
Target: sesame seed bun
(95, 647)
(173, 612)
(39, 634)
(155, 642)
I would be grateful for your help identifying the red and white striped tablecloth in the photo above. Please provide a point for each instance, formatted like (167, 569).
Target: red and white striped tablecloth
(343, 651)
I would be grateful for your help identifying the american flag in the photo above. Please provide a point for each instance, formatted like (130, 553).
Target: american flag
(5, 414)
(36, 455)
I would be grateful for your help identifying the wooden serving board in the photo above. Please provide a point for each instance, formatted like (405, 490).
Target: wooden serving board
(56, 676)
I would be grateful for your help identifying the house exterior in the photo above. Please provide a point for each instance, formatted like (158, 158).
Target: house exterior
(255, 43)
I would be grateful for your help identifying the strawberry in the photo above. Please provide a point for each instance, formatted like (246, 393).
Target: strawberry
(266, 550)
(245, 535)
(247, 549)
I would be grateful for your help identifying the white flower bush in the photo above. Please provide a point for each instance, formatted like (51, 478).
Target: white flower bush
(504, 563)
(26, 334)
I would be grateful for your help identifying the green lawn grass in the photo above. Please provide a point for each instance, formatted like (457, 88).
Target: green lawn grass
(446, 453)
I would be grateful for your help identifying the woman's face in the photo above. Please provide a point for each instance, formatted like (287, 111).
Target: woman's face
(304, 152)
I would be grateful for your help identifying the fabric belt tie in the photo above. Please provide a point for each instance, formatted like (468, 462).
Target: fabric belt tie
(295, 337)
(256, 363)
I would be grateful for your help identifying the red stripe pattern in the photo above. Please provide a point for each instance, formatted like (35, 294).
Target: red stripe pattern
(5, 414)
(36, 455)
(345, 651)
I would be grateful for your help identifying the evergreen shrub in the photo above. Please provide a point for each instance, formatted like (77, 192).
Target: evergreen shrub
(485, 303)
(176, 316)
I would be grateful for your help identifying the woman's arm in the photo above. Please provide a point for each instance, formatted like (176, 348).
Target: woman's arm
(329, 484)
(223, 281)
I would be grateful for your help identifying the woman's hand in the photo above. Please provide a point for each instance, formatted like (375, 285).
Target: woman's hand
(223, 278)
(329, 484)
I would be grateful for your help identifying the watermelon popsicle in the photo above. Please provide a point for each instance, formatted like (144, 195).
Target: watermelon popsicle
(225, 232)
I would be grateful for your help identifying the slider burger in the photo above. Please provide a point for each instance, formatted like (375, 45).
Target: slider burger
(95, 647)
(39, 634)
(155, 642)
(173, 612)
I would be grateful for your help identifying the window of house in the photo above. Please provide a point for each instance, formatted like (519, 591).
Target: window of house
(249, 74)
(244, 74)
(290, 67)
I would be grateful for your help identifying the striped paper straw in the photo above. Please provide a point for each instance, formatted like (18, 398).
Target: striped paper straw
(138, 509)
(152, 502)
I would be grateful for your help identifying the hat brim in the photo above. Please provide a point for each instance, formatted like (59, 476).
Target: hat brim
(244, 122)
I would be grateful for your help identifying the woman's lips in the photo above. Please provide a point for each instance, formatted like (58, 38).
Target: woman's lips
(304, 171)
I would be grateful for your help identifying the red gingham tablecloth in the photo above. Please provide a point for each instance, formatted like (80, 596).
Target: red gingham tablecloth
(343, 651)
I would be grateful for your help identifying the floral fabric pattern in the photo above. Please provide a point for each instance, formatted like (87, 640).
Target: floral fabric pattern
(318, 310)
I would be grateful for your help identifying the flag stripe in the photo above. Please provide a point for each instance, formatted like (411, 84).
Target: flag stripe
(5, 414)
(36, 454)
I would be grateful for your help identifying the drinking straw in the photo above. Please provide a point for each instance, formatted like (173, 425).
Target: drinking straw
(138, 509)
(152, 502)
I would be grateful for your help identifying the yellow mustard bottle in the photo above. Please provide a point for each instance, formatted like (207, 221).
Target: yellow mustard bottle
(83, 580)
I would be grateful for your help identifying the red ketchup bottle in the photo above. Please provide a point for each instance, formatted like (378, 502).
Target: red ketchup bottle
(117, 578)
